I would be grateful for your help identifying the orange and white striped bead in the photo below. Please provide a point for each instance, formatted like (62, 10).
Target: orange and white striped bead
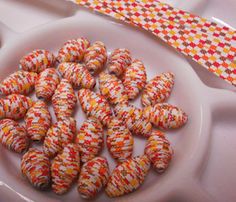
(90, 139)
(38, 121)
(134, 79)
(13, 136)
(119, 60)
(136, 122)
(37, 61)
(165, 116)
(119, 140)
(128, 176)
(159, 151)
(14, 106)
(94, 104)
(65, 168)
(64, 99)
(77, 75)
(93, 177)
(95, 57)
(19, 82)
(112, 88)
(73, 50)
(35, 166)
(47, 83)
(158, 89)
(59, 135)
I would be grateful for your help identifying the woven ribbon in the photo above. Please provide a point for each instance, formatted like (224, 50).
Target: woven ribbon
(207, 43)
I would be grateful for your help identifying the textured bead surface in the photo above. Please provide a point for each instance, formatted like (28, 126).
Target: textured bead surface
(134, 119)
(64, 100)
(134, 79)
(59, 135)
(93, 177)
(20, 82)
(112, 88)
(159, 151)
(90, 139)
(73, 50)
(128, 176)
(13, 136)
(165, 116)
(94, 104)
(47, 83)
(65, 168)
(119, 60)
(77, 75)
(38, 121)
(95, 57)
(158, 89)
(119, 140)
(37, 61)
(35, 166)
(14, 106)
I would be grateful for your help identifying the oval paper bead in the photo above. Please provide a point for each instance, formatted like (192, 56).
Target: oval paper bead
(37, 61)
(35, 166)
(65, 168)
(20, 82)
(119, 60)
(94, 104)
(119, 140)
(112, 88)
(59, 135)
(134, 79)
(93, 177)
(134, 119)
(77, 75)
(128, 176)
(38, 121)
(47, 83)
(165, 116)
(13, 136)
(95, 57)
(90, 139)
(64, 100)
(159, 151)
(158, 89)
(14, 106)
(73, 50)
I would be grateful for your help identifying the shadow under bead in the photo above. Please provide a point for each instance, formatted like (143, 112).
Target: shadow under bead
(35, 166)
(47, 83)
(95, 105)
(38, 121)
(134, 79)
(20, 82)
(13, 136)
(37, 61)
(128, 176)
(112, 88)
(134, 118)
(119, 140)
(158, 89)
(77, 75)
(90, 139)
(93, 177)
(73, 50)
(119, 60)
(165, 116)
(159, 151)
(64, 100)
(65, 168)
(59, 135)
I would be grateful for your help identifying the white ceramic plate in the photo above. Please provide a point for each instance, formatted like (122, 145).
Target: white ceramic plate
(181, 181)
